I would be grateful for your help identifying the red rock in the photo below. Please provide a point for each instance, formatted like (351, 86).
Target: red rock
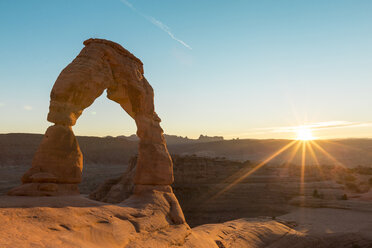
(101, 65)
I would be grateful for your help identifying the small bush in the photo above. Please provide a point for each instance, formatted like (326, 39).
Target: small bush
(344, 197)
(316, 194)
(349, 178)
(353, 187)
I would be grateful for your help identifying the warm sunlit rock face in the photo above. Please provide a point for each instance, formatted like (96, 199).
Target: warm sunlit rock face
(101, 65)
(60, 150)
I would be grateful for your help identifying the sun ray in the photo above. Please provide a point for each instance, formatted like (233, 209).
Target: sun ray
(293, 154)
(250, 172)
(347, 146)
(303, 163)
(313, 155)
(326, 153)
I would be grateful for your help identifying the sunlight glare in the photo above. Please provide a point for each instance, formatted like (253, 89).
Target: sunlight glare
(304, 134)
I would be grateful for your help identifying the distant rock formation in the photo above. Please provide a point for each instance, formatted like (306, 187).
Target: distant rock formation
(205, 138)
(101, 65)
(176, 140)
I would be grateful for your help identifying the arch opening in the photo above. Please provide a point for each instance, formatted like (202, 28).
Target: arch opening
(109, 154)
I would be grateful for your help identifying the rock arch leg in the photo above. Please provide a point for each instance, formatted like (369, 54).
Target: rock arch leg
(56, 167)
(154, 164)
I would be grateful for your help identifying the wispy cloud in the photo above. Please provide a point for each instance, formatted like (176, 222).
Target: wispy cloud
(93, 113)
(128, 4)
(157, 23)
(27, 107)
(318, 126)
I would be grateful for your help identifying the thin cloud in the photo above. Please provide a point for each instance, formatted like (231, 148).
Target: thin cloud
(294, 129)
(319, 125)
(27, 107)
(93, 113)
(157, 23)
(128, 4)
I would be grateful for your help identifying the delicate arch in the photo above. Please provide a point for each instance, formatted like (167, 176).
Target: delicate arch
(101, 65)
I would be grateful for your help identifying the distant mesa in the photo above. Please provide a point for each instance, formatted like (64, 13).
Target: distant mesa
(203, 138)
(101, 65)
(174, 139)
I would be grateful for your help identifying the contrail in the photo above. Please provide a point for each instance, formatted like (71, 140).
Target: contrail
(157, 23)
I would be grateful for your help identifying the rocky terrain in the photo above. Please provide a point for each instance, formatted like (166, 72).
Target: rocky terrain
(146, 221)
(269, 204)
(267, 192)
(272, 191)
(139, 207)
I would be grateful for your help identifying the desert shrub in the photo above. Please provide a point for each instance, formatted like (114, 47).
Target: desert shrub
(352, 187)
(349, 178)
(363, 170)
(364, 187)
(316, 194)
(247, 162)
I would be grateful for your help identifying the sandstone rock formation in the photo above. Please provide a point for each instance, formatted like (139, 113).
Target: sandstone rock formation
(152, 219)
(101, 65)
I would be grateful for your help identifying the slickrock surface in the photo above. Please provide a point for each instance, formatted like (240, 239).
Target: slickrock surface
(149, 219)
(152, 219)
(101, 65)
(146, 220)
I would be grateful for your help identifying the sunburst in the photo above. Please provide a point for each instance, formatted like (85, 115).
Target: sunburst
(304, 140)
(304, 134)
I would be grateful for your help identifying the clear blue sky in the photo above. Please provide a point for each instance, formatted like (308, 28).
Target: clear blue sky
(254, 67)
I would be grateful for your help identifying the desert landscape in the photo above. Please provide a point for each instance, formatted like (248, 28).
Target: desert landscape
(165, 124)
(334, 210)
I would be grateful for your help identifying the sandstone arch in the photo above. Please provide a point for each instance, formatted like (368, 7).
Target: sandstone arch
(101, 65)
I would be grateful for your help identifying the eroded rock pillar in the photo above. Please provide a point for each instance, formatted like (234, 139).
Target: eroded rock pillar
(56, 167)
(154, 164)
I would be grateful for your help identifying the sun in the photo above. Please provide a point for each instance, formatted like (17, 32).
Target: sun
(304, 134)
